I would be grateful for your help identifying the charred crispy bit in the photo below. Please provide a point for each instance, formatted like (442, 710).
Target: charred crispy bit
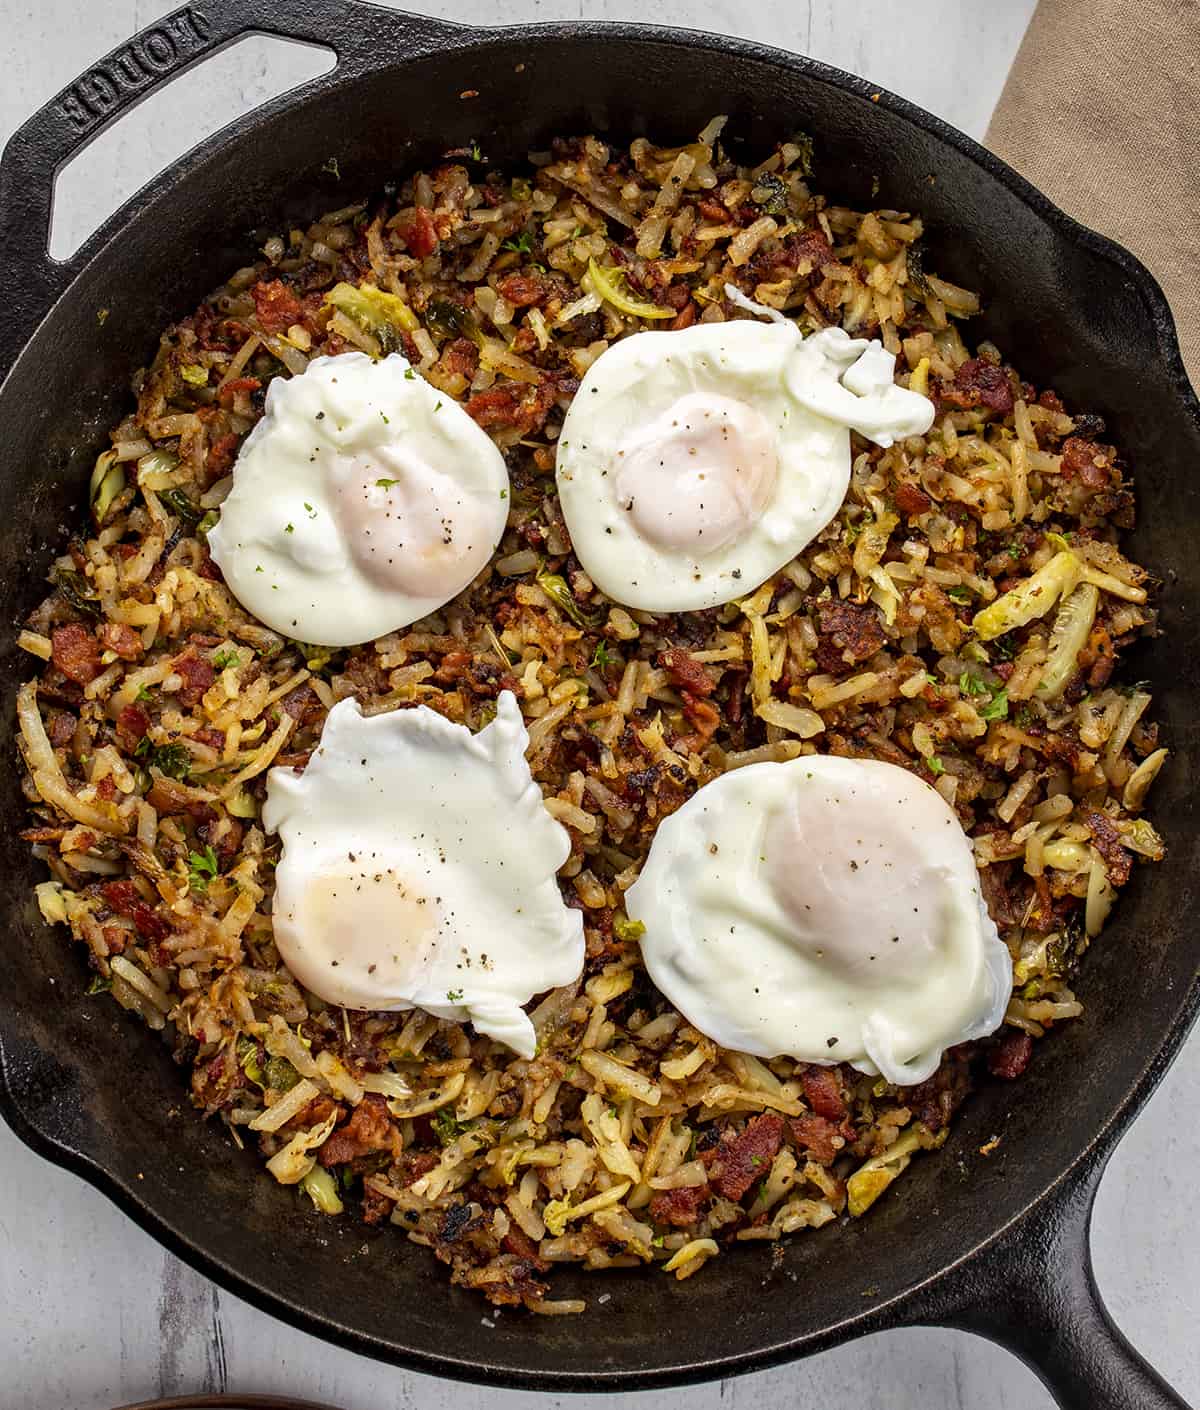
(1004, 906)
(76, 652)
(745, 1158)
(686, 672)
(823, 1092)
(370, 1128)
(849, 633)
(276, 305)
(680, 1207)
(1009, 1056)
(1106, 837)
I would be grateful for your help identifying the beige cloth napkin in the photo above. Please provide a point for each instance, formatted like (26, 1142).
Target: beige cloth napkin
(1102, 113)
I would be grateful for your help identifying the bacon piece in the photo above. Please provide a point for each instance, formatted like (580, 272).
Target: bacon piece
(370, 1128)
(912, 500)
(746, 1157)
(823, 1092)
(1010, 1056)
(524, 288)
(684, 318)
(685, 672)
(518, 1242)
(118, 637)
(980, 383)
(231, 391)
(276, 305)
(513, 405)
(1118, 862)
(221, 455)
(124, 898)
(60, 726)
(421, 234)
(76, 652)
(680, 1207)
(461, 357)
(1093, 465)
(818, 1135)
(849, 633)
(197, 673)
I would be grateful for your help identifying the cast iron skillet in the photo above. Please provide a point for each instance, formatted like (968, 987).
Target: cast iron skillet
(997, 1245)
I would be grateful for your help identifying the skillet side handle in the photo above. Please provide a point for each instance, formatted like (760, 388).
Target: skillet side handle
(358, 33)
(1035, 1293)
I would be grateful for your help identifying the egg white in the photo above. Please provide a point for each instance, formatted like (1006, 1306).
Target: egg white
(806, 391)
(312, 538)
(418, 870)
(827, 909)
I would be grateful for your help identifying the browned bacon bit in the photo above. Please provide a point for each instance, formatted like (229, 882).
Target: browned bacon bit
(131, 725)
(122, 639)
(934, 1101)
(849, 633)
(1118, 862)
(414, 1164)
(116, 937)
(232, 391)
(276, 305)
(1010, 1056)
(747, 1156)
(60, 726)
(822, 1092)
(76, 652)
(376, 1206)
(221, 455)
(912, 500)
(370, 1128)
(214, 1084)
(420, 235)
(225, 838)
(524, 288)
(817, 1135)
(513, 405)
(303, 704)
(124, 898)
(518, 1242)
(197, 673)
(1094, 466)
(461, 358)
(680, 1207)
(702, 715)
(686, 672)
(684, 318)
(980, 383)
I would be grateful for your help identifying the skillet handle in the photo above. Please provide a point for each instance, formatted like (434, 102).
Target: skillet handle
(1035, 1293)
(358, 33)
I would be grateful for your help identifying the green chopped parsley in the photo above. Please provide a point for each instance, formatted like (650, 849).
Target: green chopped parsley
(202, 867)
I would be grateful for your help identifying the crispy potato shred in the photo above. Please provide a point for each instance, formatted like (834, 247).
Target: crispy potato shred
(963, 616)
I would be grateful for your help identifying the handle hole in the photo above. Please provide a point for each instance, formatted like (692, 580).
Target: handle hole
(171, 121)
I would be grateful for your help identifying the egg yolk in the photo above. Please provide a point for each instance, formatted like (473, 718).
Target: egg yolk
(352, 910)
(858, 887)
(699, 475)
(409, 527)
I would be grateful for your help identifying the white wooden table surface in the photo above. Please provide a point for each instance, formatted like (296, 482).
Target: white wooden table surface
(95, 1313)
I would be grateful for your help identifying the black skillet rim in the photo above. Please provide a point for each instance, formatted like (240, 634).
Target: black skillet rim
(879, 1316)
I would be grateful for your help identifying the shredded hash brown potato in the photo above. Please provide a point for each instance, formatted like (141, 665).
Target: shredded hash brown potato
(962, 617)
